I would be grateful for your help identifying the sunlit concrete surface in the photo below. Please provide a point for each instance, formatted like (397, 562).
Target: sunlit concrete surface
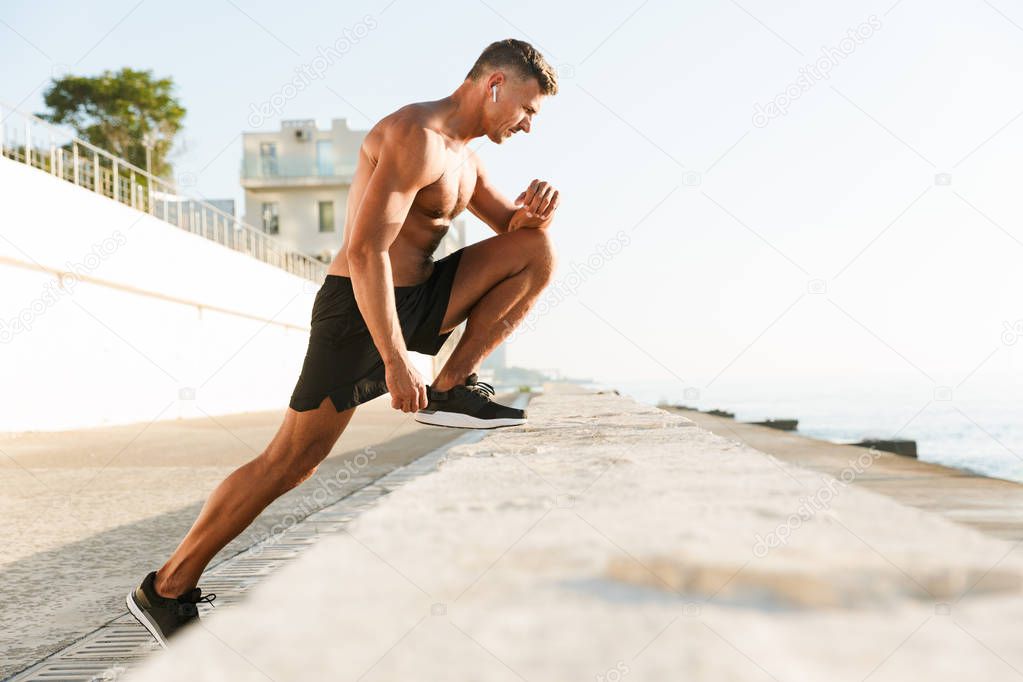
(608, 540)
(993, 506)
(88, 513)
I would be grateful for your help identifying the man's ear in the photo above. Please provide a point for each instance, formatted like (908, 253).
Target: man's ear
(496, 78)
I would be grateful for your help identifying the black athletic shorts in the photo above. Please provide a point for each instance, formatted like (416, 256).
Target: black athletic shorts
(343, 362)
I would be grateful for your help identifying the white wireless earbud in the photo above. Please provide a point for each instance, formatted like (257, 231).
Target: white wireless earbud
(494, 90)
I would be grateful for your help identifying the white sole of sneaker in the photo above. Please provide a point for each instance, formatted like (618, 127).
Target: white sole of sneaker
(143, 619)
(463, 421)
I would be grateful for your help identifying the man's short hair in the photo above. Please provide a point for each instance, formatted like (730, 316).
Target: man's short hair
(519, 56)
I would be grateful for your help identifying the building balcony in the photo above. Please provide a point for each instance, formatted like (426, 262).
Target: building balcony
(282, 173)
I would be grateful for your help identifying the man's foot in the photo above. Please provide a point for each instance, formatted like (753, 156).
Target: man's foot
(468, 406)
(163, 616)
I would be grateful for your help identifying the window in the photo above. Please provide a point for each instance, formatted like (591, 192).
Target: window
(270, 225)
(326, 216)
(324, 158)
(268, 158)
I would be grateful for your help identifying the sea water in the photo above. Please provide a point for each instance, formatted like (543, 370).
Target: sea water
(976, 427)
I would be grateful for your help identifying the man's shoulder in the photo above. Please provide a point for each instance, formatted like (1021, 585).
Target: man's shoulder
(404, 138)
(408, 127)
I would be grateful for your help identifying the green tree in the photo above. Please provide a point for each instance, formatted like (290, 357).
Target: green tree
(117, 111)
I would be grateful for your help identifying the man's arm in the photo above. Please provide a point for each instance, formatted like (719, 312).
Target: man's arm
(488, 204)
(409, 159)
(533, 208)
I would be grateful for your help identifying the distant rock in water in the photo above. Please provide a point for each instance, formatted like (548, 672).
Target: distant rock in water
(906, 448)
(678, 406)
(780, 424)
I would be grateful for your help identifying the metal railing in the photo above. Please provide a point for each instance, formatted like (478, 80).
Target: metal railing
(39, 144)
(256, 168)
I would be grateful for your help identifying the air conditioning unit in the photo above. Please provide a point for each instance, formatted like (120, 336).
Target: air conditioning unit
(303, 134)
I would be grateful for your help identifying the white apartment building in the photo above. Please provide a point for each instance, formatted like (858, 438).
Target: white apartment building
(296, 183)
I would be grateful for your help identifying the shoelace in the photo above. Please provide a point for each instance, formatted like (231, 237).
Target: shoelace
(482, 388)
(190, 608)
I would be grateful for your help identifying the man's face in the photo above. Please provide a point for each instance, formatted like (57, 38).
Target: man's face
(518, 100)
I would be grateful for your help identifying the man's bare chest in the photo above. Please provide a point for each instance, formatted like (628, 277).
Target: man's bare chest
(450, 194)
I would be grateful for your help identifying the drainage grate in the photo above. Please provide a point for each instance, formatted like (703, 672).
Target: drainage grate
(276, 552)
(74, 671)
(248, 566)
(115, 648)
(123, 641)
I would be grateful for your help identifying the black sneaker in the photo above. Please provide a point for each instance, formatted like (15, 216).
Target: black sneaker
(468, 407)
(163, 616)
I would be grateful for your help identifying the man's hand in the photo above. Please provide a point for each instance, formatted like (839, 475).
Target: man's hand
(406, 386)
(536, 206)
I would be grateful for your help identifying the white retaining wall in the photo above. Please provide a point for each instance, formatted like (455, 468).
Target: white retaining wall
(152, 322)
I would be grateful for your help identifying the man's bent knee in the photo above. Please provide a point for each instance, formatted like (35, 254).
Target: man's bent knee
(541, 246)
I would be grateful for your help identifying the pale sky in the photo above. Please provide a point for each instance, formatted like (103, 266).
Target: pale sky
(729, 223)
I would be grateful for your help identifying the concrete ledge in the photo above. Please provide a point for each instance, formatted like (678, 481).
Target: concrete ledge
(991, 505)
(610, 540)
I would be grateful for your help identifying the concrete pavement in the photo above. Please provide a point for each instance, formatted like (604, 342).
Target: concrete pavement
(87, 513)
(610, 540)
(990, 505)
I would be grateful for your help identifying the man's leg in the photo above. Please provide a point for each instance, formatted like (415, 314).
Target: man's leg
(301, 443)
(497, 282)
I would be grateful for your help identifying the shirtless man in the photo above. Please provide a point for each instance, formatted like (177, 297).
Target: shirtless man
(384, 295)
